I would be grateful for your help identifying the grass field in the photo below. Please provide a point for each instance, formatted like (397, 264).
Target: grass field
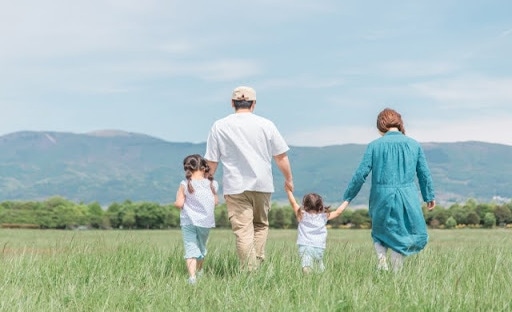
(460, 270)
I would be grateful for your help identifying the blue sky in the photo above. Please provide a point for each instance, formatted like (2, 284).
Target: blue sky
(322, 69)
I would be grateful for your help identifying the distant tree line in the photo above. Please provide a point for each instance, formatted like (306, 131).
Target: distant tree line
(60, 213)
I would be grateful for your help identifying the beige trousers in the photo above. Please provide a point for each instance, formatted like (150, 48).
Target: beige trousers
(248, 215)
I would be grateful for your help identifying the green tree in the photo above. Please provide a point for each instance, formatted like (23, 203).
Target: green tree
(471, 204)
(171, 217)
(55, 201)
(128, 220)
(221, 216)
(113, 215)
(335, 223)
(82, 216)
(489, 220)
(459, 213)
(503, 214)
(148, 216)
(361, 219)
(450, 223)
(293, 218)
(483, 209)
(441, 215)
(473, 218)
(280, 218)
(346, 216)
(95, 215)
(509, 206)
(65, 216)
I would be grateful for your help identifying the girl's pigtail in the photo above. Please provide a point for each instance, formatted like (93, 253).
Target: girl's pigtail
(193, 163)
(188, 175)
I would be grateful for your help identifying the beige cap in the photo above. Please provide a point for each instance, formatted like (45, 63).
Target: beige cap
(244, 93)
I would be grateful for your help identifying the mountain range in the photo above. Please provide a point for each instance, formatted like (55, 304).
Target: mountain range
(114, 166)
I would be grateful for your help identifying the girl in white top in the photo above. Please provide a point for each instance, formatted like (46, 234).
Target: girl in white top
(196, 197)
(312, 230)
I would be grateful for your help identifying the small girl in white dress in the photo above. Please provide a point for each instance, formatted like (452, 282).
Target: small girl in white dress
(312, 230)
(196, 198)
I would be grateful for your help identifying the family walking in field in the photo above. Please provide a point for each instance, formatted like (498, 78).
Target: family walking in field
(246, 145)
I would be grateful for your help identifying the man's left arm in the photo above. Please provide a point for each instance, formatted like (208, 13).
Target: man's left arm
(283, 163)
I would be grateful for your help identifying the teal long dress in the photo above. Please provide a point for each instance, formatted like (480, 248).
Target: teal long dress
(395, 161)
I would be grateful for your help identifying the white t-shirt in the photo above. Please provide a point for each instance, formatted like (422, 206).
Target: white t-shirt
(312, 230)
(245, 144)
(199, 206)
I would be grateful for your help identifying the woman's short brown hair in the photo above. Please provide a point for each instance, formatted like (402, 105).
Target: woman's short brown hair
(389, 118)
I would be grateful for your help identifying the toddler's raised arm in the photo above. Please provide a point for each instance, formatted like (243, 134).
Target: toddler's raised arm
(293, 203)
(336, 213)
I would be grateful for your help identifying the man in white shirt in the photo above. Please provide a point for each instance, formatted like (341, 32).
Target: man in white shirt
(245, 144)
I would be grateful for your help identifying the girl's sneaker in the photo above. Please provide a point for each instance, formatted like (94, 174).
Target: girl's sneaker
(192, 280)
(199, 273)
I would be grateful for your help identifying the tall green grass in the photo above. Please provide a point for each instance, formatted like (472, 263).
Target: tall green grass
(460, 270)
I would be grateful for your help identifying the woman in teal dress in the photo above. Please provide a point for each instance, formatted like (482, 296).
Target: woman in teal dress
(395, 161)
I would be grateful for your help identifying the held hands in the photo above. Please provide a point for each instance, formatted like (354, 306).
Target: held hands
(288, 185)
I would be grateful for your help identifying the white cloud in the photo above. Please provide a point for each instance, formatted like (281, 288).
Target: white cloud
(478, 128)
(469, 91)
(410, 69)
(301, 81)
(56, 28)
(332, 135)
(506, 33)
(431, 129)
(121, 76)
(228, 69)
(178, 47)
(215, 69)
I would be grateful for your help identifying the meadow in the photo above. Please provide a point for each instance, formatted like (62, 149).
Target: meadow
(120, 270)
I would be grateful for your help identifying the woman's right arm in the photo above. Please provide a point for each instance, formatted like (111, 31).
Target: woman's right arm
(359, 177)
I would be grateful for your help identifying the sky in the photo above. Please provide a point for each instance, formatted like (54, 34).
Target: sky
(322, 69)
